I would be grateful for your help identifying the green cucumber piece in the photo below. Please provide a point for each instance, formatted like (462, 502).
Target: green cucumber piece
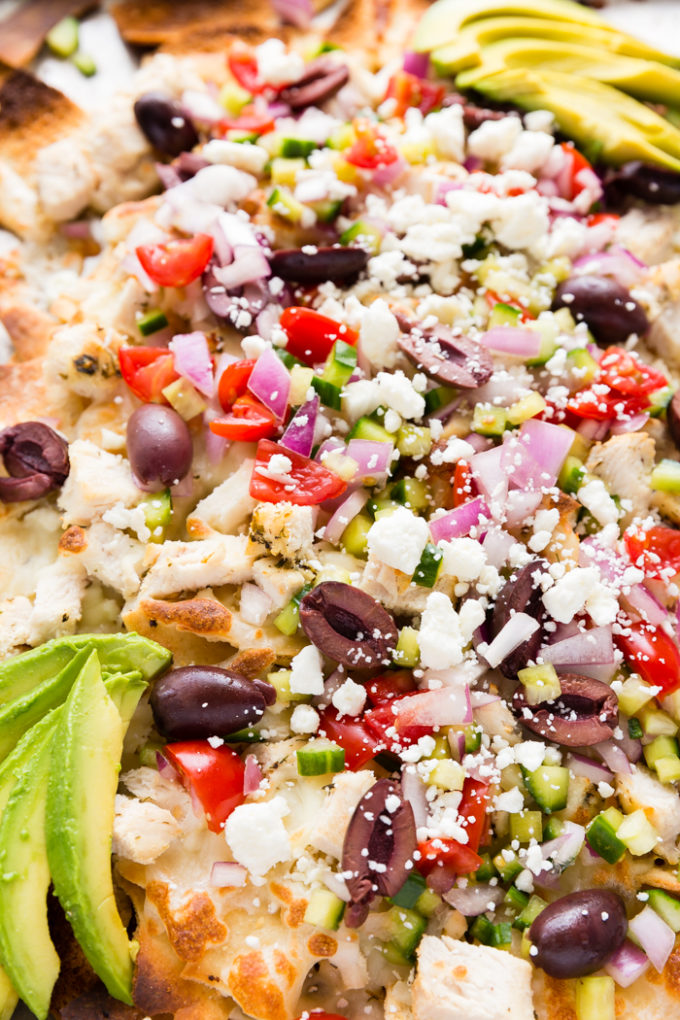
(329, 393)
(488, 420)
(666, 906)
(411, 492)
(414, 440)
(288, 619)
(516, 899)
(549, 786)
(62, 39)
(529, 913)
(410, 892)
(354, 539)
(508, 869)
(601, 837)
(324, 910)
(660, 399)
(660, 747)
(154, 320)
(366, 428)
(296, 148)
(340, 364)
(666, 476)
(157, 509)
(439, 397)
(635, 731)
(364, 234)
(427, 571)
(85, 63)
(595, 998)
(504, 315)
(407, 652)
(572, 475)
(526, 825)
(320, 757)
(489, 934)
(406, 928)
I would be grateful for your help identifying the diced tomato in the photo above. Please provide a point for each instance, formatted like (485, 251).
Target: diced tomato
(214, 775)
(654, 550)
(389, 686)
(176, 263)
(572, 183)
(234, 382)
(652, 653)
(408, 90)
(493, 299)
(371, 149)
(147, 371)
(464, 486)
(621, 389)
(597, 219)
(310, 482)
(242, 63)
(247, 421)
(447, 853)
(472, 810)
(360, 745)
(250, 120)
(396, 732)
(311, 336)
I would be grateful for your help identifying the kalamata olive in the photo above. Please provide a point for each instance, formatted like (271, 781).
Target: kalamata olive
(606, 306)
(321, 80)
(654, 184)
(451, 360)
(348, 625)
(673, 418)
(197, 702)
(379, 845)
(159, 446)
(585, 713)
(521, 593)
(164, 123)
(577, 934)
(35, 457)
(339, 265)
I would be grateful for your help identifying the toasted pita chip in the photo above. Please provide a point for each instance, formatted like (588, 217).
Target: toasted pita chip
(30, 329)
(380, 29)
(23, 32)
(32, 115)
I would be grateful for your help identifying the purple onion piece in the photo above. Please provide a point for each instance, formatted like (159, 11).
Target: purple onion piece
(378, 850)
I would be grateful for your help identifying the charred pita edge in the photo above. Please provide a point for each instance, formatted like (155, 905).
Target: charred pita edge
(23, 32)
(206, 618)
(32, 115)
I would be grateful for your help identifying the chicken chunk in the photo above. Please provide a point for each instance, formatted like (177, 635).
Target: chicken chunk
(647, 233)
(624, 463)
(190, 566)
(454, 980)
(142, 831)
(279, 583)
(664, 335)
(392, 588)
(284, 530)
(96, 482)
(661, 805)
(348, 789)
(58, 597)
(112, 557)
(227, 507)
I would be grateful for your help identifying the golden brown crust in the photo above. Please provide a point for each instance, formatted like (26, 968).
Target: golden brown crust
(206, 618)
(186, 648)
(23, 394)
(191, 929)
(32, 115)
(379, 28)
(255, 993)
(23, 32)
(252, 662)
(74, 540)
(30, 329)
(198, 25)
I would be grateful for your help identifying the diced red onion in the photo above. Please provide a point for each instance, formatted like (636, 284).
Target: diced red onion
(474, 900)
(78, 229)
(345, 513)
(481, 698)
(629, 424)
(627, 964)
(270, 382)
(548, 444)
(566, 847)
(523, 343)
(331, 445)
(252, 777)
(267, 319)
(613, 756)
(295, 12)
(593, 431)
(448, 706)
(589, 769)
(516, 631)
(249, 265)
(479, 443)
(416, 63)
(387, 173)
(646, 605)
(656, 938)
(519, 506)
(414, 791)
(592, 553)
(631, 746)
(193, 361)
(524, 471)
(372, 456)
(617, 263)
(164, 766)
(489, 473)
(299, 436)
(228, 874)
(591, 646)
(444, 188)
(255, 605)
(497, 545)
(458, 522)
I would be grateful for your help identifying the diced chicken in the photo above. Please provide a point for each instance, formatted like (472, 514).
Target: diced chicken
(97, 481)
(65, 179)
(227, 507)
(15, 623)
(455, 980)
(279, 583)
(150, 785)
(113, 558)
(284, 530)
(398, 1002)
(79, 362)
(648, 234)
(190, 566)
(661, 805)
(142, 831)
(58, 597)
(393, 589)
(348, 789)
(624, 463)
(664, 335)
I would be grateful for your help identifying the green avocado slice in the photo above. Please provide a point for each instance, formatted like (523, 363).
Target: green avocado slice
(641, 78)
(86, 754)
(8, 997)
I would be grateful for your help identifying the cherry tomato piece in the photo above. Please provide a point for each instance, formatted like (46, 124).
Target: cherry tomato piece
(371, 149)
(234, 382)
(393, 730)
(389, 686)
(311, 336)
(654, 550)
(176, 263)
(242, 63)
(214, 775)
(448, 853)
(147, 371)
(309, 482)
(408, 90)
(573, 181)
(247, 421)
(360, 745)
(472, 810)
(464, 487)
(652, 653)
(250, 120)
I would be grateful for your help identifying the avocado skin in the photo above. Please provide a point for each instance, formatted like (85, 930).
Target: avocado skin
(79, 817)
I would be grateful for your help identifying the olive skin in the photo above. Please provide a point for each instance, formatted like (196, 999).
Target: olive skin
(673, 418)
(653, 184)
(164, 124)
(577, 934)
(348, 626)
(197, 702)
(606, 307)
(159, 446)
(36, 461)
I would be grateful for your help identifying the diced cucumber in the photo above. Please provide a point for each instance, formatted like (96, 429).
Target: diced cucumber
(354, 538)
(284, 171)
(280, 681)
(62, 39)
(284, 204)
(407, 652)
(541, 683)
(326, 209)
(410, 892)
(324, 910)
(340, 364)
(516, 899)
(666, 476)
(486, 870)
(635, 731)
(381, 505)
(582, 365)
(595, 998)
(366, 428)
(428, 903)
(637, 833)
(297, 148)
(526, 825)
(407, 928)
(411, 492)
(601, 837)
(85, 63)
(504, 315)
(660, 747)
(668, 769)
(248, 735)
(659, 401)
(489, 934)
(184, 398)
(289, 360)
(488, 420)
(427, 571)
(148, 754)
(414, 440)
(364, 234)
(447, 775)
(233, 98)
(320, 757)
(666, 906)
(549, 786)
(288, 619)
(657, 723)
(508, 867)
(634, 693)
(154, 320)
(529, 914)
(329, 394)
(439, 397)
(572, 475)
(157, 509)
(441, 749)
(300, 381)
(552, 828)
(527, 407)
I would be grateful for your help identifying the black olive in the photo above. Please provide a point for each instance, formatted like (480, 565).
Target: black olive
(577, 934)
(585, 713)
(339, 265)
(321, 80)
(673, 418)
(452, 360)
(35, 457)
(520, 594)
(606, 307)
(348, 625)
(197, 702)
(379, 845)
(655, 185)
(165, 125)
(159, 446)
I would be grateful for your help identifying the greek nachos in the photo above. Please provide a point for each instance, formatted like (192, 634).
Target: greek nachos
(367, 417)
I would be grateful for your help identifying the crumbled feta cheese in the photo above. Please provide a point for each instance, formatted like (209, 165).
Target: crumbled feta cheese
(251, 158)
(494, 138)
(398, 539)
(569, 594)
(276, 64)
(397, 392)
(455, 450)
(448, 132)
(529, 151)
(440, 639)
(360, 398)
(306, 674)
(511, 800)
(530, 754)
(378, 335)
(595, 498)
(305, 719)
(350, 698)
(523, 220)
(463, 558)
(257, 837)
(605, 790)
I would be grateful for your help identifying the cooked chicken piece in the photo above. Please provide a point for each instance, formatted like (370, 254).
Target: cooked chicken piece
(96, 482)
(142, 831)
(190, 566)
(227, 507)
(624, 463)
(58, 596)
(648, 234)
(112, 557)
(279, 583)
(284, 530)
(348, 789)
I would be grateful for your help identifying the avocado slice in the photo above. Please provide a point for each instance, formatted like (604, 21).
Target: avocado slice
(86, 753)
(605, 122)
(118, 653)
(8, 997)
(26, 949)
(466, 50)
(642, 78)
